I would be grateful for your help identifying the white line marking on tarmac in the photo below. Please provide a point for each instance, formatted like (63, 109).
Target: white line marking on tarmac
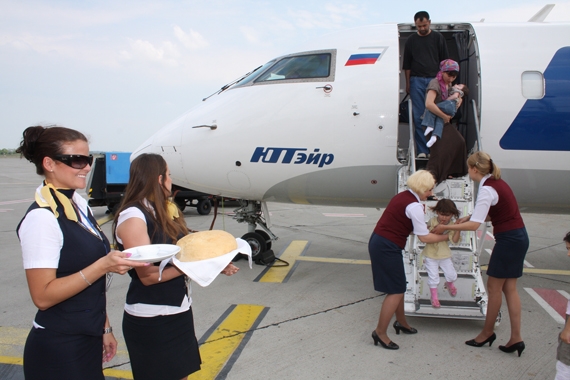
(491, 235)
(345, 215)
(549, 309)
(564, 293)
(17, 201)
(5, 209)
(488, 250)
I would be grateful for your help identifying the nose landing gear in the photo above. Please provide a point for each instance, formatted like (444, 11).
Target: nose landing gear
(250, 212)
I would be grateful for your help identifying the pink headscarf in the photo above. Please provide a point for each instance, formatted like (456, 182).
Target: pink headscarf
(445, 65)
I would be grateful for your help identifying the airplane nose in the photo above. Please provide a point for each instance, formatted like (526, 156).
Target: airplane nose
(141, 150)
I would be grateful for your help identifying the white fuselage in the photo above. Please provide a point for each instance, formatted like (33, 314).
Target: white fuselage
(335, 139)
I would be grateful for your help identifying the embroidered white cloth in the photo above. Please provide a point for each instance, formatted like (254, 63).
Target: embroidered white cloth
(203, 272)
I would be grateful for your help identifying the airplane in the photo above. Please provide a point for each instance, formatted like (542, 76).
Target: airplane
(320, 126)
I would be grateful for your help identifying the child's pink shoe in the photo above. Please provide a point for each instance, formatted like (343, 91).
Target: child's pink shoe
(452, 289)
(434, 300)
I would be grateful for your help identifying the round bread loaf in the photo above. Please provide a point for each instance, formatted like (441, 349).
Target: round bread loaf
(205, 245)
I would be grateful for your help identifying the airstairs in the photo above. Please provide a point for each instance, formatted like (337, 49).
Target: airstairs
(471, 299)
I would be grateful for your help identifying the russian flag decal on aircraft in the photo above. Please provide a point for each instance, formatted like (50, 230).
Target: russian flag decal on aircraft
(362, 59)
(544, 124)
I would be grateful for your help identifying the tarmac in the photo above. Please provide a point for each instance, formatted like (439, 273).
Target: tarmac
(312, 319)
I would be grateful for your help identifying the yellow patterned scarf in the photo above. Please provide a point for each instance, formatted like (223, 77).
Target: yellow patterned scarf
(46, 199)
(172, 209)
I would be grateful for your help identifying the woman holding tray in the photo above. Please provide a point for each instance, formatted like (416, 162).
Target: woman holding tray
(158, 324)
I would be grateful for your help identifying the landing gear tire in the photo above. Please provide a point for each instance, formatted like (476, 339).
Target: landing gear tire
(265, 235)
(256, 242)
(204, 207)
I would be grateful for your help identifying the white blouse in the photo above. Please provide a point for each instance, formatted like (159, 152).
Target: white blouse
(143, 309)
(41, 238)
(486, 197)
(415, 211)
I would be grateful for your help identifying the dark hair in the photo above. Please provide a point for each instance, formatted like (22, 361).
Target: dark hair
(446, 207)
(39, 142)
(143, 184)
(567, 238)
(465, 91)
(421, 15)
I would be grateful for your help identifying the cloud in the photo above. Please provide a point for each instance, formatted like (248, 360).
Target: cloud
(167, 54)
(57, 15)
(250, 34)
(334, 16)
(192, 40)
(522, 13)
(20, 45)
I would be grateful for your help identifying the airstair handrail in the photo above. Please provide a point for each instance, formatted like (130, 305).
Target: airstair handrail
(412, 145)
(477, 126)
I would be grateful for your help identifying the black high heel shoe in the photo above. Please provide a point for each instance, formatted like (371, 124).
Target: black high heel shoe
(389, 346)
(398, 327)
(518, 347)
(474, 343)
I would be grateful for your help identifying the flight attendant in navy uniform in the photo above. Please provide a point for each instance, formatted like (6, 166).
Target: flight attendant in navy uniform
(497, 203)
(66, 257)
(404, 215)
(158, 324)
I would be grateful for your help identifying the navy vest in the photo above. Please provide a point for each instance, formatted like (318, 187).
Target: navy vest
(85, 312)
(170, 292)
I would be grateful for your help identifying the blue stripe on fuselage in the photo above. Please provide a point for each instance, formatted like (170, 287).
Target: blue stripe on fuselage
(544, 124)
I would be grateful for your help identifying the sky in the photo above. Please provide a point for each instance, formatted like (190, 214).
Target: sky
(120, 70)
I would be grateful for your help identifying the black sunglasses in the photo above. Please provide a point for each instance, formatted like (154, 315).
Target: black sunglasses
(76, 161)
(452, 73)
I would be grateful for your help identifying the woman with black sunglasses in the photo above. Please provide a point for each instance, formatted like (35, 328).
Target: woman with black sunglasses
(66, 257)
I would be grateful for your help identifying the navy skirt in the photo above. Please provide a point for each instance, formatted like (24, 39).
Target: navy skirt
(51, 355)
(163, 347)
(387, 265)
(507, 258)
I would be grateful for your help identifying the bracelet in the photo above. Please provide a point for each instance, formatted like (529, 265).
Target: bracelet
(107, 330)
(86, 280)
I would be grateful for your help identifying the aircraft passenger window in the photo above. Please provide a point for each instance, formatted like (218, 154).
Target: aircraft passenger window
(532, 84)
(299, 67)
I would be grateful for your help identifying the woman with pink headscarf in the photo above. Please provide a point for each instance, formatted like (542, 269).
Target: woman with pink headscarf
(438, 89)
(447, 158)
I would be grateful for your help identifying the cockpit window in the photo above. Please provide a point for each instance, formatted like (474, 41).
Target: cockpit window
(315, 66)
(304, 66)
(254, 74)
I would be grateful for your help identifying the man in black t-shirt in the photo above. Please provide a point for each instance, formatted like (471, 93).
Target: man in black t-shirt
(423, 52)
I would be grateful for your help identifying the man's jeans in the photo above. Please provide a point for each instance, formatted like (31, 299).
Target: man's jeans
(418, 87)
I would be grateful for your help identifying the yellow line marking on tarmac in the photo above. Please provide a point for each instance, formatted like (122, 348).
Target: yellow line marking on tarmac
(225, 339)
(291, 254)
(219, 347)
(118, 373)
(332, 260)
(539, 271)
(105, 219)
(11, 360)
(547, 271)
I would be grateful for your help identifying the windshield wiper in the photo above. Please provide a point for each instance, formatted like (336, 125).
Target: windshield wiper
(225, 87)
